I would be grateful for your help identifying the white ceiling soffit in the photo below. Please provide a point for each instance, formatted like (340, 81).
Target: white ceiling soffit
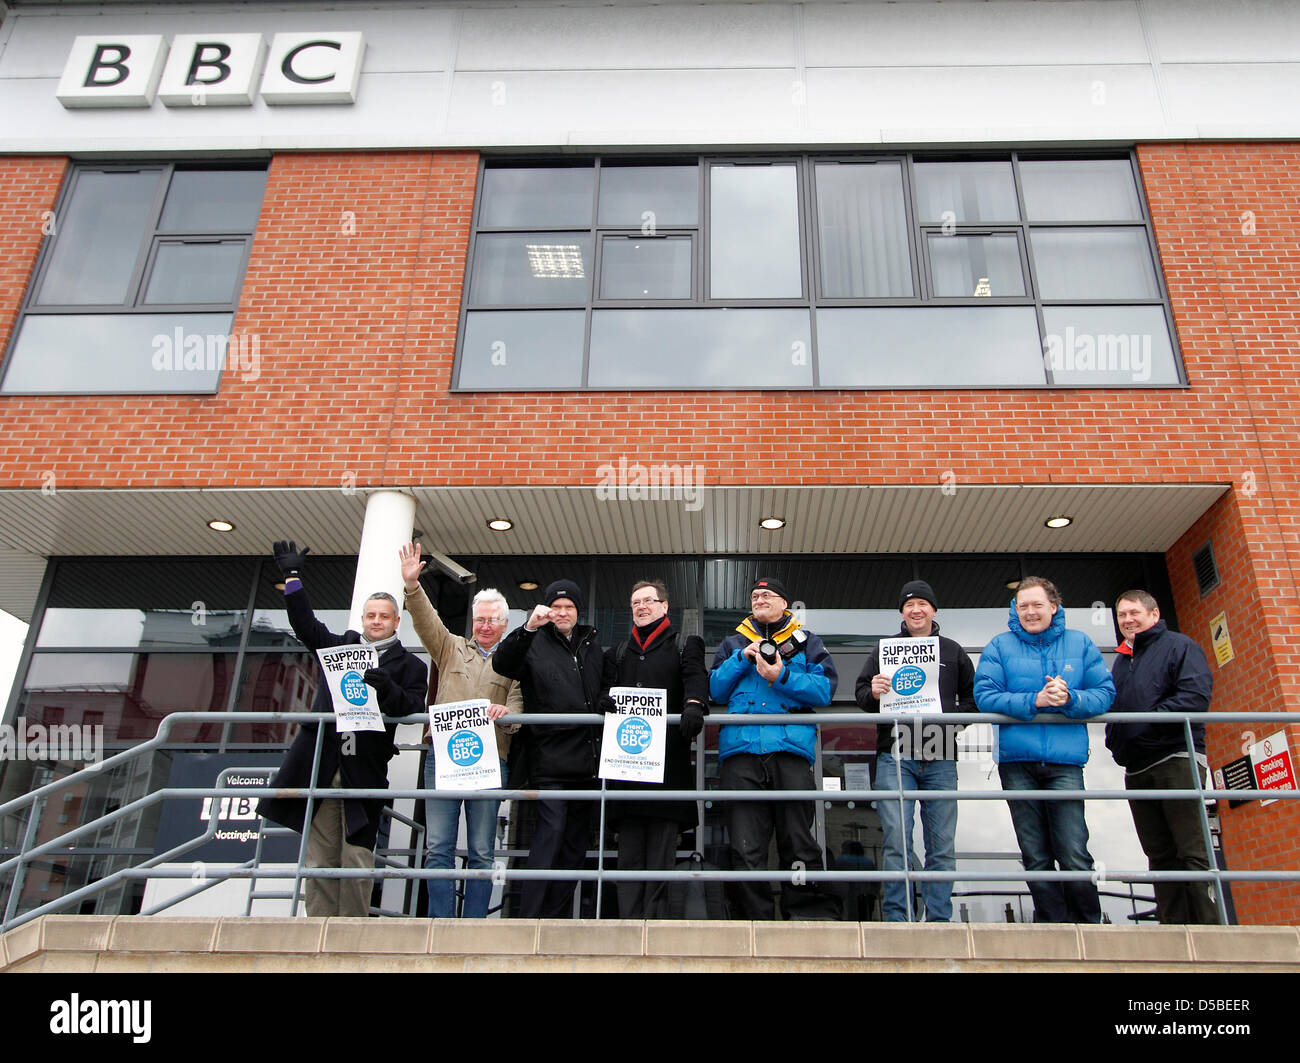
(568, 520)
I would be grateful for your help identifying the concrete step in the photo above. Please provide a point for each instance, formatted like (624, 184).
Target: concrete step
(86, 943)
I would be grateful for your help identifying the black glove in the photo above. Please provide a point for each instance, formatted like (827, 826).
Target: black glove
(606, 704)
(288, 558)
(692, 722)
(381, 681)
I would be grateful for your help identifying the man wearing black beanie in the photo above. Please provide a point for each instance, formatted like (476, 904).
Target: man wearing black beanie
(773, 665)
(920, 757)
(561, 668)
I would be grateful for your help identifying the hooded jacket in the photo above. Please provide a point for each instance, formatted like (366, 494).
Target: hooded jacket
(1013, 669)
(806, 682)
(1164, 672)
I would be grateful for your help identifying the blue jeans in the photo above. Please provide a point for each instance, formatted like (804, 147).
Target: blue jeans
(442, 821)
(938, 827)
(1053, 834)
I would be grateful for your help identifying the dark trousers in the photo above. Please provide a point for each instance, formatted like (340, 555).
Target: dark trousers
(1053, 834)
(560, 842)
(645, 845)
(751, 824)
(1171, 836)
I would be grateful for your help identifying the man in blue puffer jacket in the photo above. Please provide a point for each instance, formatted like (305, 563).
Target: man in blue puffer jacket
(1039, 666)
(800, 678)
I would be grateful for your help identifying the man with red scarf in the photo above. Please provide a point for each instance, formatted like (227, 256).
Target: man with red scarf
(656, 656)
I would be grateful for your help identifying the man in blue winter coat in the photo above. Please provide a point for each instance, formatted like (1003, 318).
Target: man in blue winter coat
(1040, 666)
(772, 665)
(1158, 670)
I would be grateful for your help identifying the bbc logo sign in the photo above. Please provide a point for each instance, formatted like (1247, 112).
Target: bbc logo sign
(212, 70)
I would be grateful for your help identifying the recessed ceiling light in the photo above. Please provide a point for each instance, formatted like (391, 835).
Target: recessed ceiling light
(221, 525)
(527, 585)
(1058, 522)
(500, 524)
(771, 523)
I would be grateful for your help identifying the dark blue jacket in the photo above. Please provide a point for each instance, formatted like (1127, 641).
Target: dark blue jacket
(1166, 672)
(1013, 669)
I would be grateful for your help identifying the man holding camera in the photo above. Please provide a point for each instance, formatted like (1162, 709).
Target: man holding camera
(772, 665)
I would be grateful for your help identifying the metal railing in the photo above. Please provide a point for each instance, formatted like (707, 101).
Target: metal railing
(34, 802)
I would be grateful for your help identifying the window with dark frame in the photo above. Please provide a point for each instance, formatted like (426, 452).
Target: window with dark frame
(136, 286)
(889, 271)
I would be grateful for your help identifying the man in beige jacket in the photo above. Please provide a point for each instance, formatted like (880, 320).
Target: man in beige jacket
(464, 671)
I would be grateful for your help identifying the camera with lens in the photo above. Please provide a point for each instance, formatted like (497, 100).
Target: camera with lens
(768, 651)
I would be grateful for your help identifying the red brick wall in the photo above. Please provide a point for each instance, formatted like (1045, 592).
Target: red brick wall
(1225, 217)
(28, 190)
(1260, 678)
(352, 287)
(353, 290)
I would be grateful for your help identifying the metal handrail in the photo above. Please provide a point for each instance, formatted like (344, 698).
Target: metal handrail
(149, 868)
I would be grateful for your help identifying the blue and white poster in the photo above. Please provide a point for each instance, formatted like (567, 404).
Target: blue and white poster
(355, 706)
(464, 746)
(912, 667)
(635, 735)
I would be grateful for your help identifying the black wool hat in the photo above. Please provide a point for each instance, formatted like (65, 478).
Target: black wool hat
(563, 588)
(766, 583)
(918, 588)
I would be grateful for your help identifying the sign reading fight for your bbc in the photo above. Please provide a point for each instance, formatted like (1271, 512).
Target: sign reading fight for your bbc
(211, 70)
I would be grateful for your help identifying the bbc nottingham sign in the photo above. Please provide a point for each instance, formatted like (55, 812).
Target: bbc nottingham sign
(211, 70)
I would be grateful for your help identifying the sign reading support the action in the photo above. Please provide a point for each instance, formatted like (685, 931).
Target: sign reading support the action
(355, 706)
(636, 735)
(464, 746)
(912, 667)
(1271, 760)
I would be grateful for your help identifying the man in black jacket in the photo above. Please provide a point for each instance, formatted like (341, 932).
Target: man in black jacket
(655, 656)
(561, 668)
(922, 757)
(343, 832)
(1158, 670)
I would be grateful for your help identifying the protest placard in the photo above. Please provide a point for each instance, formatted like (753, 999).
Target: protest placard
(635, 735)
(464, 746)
(355, 706)
(912, 667)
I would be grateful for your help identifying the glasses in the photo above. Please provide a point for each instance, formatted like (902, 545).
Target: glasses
(491, 620)
(763, 596)
(646, 601)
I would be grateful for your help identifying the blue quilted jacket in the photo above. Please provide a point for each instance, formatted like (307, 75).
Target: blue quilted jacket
(1013, 669)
